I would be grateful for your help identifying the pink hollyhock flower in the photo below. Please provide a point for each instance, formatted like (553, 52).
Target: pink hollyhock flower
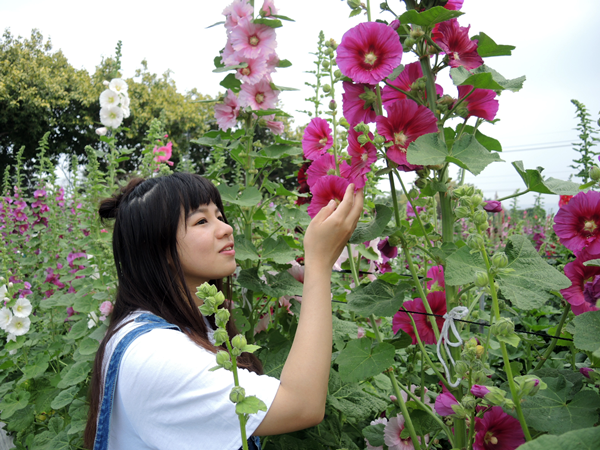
(229, 56)
(395, 24)
(253, 40)
(60, 198)
(362, 157)
(254, 72)
(357, 103)
(39, 193)
(454, 5)
(163, 154)
(263, 323)
(382, 420)
(454, 40)
(387, 251)
(411, 73)
(362, 333)
(436, 273)
(317, 138)
(577, 224)
(391, 435)
(582, 293)
(498, 431)
(71, 257)
(493, 206)
(479, 391)
(258, 96)
(226, 113)
(275, 126)
(322, 166)
(444, 401)
(268, 8)
(106, 308)
(401, 320)
(70, 312)
(327, 188)
(237, 10)
(369, 52)
(406, 122)
(297, 271)
(410, 212)
(481, 103)
(53, 278)
(564, 199)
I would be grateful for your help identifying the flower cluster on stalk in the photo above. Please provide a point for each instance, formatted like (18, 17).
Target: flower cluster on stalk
(114, 105)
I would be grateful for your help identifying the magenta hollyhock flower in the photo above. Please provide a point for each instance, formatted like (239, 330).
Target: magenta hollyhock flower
(328, 188)
(479, 391)
(436, 273)
(497, 431)
(369, 52)
(395, 24)
(455, 42)
(72, 256)
(411, 73)
(237, 10)
(493, 206)
(258, 96)
(581, 294)
(362, 157)
(322, 166)
(577, 224)
(454, 5)
(226, 113)
(392, 432)
(358, 102)
(317, 138)
(585, 371)
(39, 193)
(163, 154)
(401, 320)
(444, 401)
(481, 103)
(70, 311)
(253, 40)
(387, 251)
(406, 122)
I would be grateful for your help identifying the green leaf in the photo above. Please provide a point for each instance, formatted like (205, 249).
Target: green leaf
(279, 16)
(427, 150)
(78, 330)
(397, 71)
(360, 359)
(231, 82)
(351, 400)
(76, 374)
(245, 249)
(269, 22)
(587, 331)
(486, 141)
(60, 442)
(487, 47)
(284, 63)
(268, 112)
(250, 405)
(250, 196)
(251, 348)
(400, 340)
(429, 17)
(511, 339)
(368, 231)
(530, 285)
(460, 76)
(592, 262)
(374, 434)
(535, 182)
(86, 304)
(64, 398)
(21, 419)
(343, 329)
(241, 321)
(88, 346)
(277, 151)
(469, 154)
(278, 250)
(461, 267)
(248, 278)
(37, 368)
(585, 439)
(228, 68)
(549, 411)
(282, 88)
(379, 298)
(13, 402)
(283, 284)
(423, 422)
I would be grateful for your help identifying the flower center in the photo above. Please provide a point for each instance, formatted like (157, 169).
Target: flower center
(323, 140)
(260, 97)
(370, 58)
(364, 157)
(331, 171)
(245, 71)
(18, 325)
(490, 438)
(113, 115)
(400, 139)
(456, 56)
(253, 40)
(589, 226)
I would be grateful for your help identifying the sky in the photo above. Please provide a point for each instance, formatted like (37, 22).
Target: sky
(555, 48)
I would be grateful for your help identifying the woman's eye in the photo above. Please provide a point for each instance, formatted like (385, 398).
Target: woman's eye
(221, 218)
(201, 221)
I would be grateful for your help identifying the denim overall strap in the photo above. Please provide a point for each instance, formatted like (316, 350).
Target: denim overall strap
(253, 443)
(151, 322)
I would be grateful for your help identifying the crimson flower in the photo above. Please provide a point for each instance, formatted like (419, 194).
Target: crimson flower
(253, 40)
(564, 199)
(357, 103)
(454, 40)
(577, 224)
(444, 401)
(406, 122)
(411, 73)
(317, 138)
(327, 188)
(387, 251)
(401, 320)
(584, 290)
(369, 52)
(304, 188)
(481, 103)
(497, 431)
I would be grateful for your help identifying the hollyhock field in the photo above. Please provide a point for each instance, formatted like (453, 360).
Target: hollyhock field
(459, 322)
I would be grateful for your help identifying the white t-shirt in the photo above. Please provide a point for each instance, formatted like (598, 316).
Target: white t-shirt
(166, 398)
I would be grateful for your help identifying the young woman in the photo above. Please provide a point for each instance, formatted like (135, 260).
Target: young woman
(151, 387)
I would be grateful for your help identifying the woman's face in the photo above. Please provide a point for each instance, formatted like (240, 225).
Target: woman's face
(205, 244)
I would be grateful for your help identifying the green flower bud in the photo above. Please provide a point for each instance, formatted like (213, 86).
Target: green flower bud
(394, 241)
(496, 397)
(481, 279)
(239, 341)
(326, 88)
(480, 217)
(460, 411)
(361, 128)
(420, 183)
(337, 73)
(219, 298)
(222, 357)
(423, 173)
(471, 344)
(220, 336)
(333, 44)
(413, 193)
(504, 327)
(595, 173)
(479, 351)
(462, 368)
(476, 200)
(529, 385)
(206, 290)
(362, 139)
(222, 317)
(469, 402)
(417, 33)
(461, 212)
(237, 394)
(332, 105)
(474, 241)
(325, 64)
(469, 191)
(500, 260)
(408, 43)
(235, 352)
(379, 140)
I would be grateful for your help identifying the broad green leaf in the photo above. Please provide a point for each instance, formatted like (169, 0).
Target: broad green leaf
(251, 196)
(283, 284)
(535, 182)
(87, 303)
(276, 151)
(269, 112)
(342, 329)
(211, 141)
(461, 267)
(397, 71)
(368, 231)
(427, 150)
(585, 439)
(486, 47)
(241, 321)
(56, 424)
(530, 285)
(250, 405)
(592, 262)
(35, 368)
(88, 346)
(469, 154)
(13, 402)
(587, 331)
(60, 442)
(351, 400)
(423, 422)
(76, 374)
(269, 22)
(99, 333)
(278, 251)
(21, 419)
(374, 434)
(78, 330)
(284, 63)
(379, 298)
(460, 75)
(231, 82)
(429, 17)
(245, 249)
(549, 411)
(400, 340)
(511, 339)
(248, 278)
(360, 359)
(488, 142)
(64, 398)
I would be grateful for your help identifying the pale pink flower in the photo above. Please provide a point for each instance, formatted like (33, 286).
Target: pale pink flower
(268, 8)
(254, 72)
(391, 435)
(237, 10)
(258, 96)
(275, 126)
(253, 40)
(226, 113)
(297, 271)
(106, 308)
(361, 333)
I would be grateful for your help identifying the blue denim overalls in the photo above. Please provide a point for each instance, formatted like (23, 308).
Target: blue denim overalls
(150, 322)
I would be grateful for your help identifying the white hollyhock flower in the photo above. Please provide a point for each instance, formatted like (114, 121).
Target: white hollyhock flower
(118, 85)
(111, 116)
(126, 112)
(3, 291)
(109, 98)
(105, 83)
(22, 308)
(93, 320)
(101, 131)
(19, 326)
(5, 317)
(125, 105)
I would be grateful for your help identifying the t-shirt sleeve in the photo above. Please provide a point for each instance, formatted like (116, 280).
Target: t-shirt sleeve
(170, 396)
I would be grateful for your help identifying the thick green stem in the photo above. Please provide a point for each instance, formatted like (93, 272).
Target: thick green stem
(394, 199)
(236, 381)
(548, 351)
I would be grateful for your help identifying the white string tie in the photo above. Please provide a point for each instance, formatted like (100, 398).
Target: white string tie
(455, 314)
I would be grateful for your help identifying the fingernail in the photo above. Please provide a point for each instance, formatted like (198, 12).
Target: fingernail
(331, 202)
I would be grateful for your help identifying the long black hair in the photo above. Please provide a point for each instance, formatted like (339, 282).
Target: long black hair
(147, 214)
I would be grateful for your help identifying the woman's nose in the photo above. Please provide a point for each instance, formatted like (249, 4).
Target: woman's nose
(225, 229)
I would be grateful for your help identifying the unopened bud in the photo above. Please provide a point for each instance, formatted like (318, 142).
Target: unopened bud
(529, 385)
(362, 139)
(420, 183)
(220, 336)
(469, 402)
(337, 73)
(476, 200)
(462, 212)
(332, 105)
(417, 33)
(101, 131)
(504, 327)
(361, 128)
(446, 100)
(474, 241)
(481, 279)
(461, 368)
(480, 217)
(595, 173)
(105, 83)
(408, 43)
(326, 88)
(379, 140)
(10, 284)
(495, 396)
(237, 394)
(222, 317)
(222, 357)
(239, 341)
(413, 193)
(423, 173)
(471, 343)
(333, 44)
(500, 260)
(325, 64)
(479, 351)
